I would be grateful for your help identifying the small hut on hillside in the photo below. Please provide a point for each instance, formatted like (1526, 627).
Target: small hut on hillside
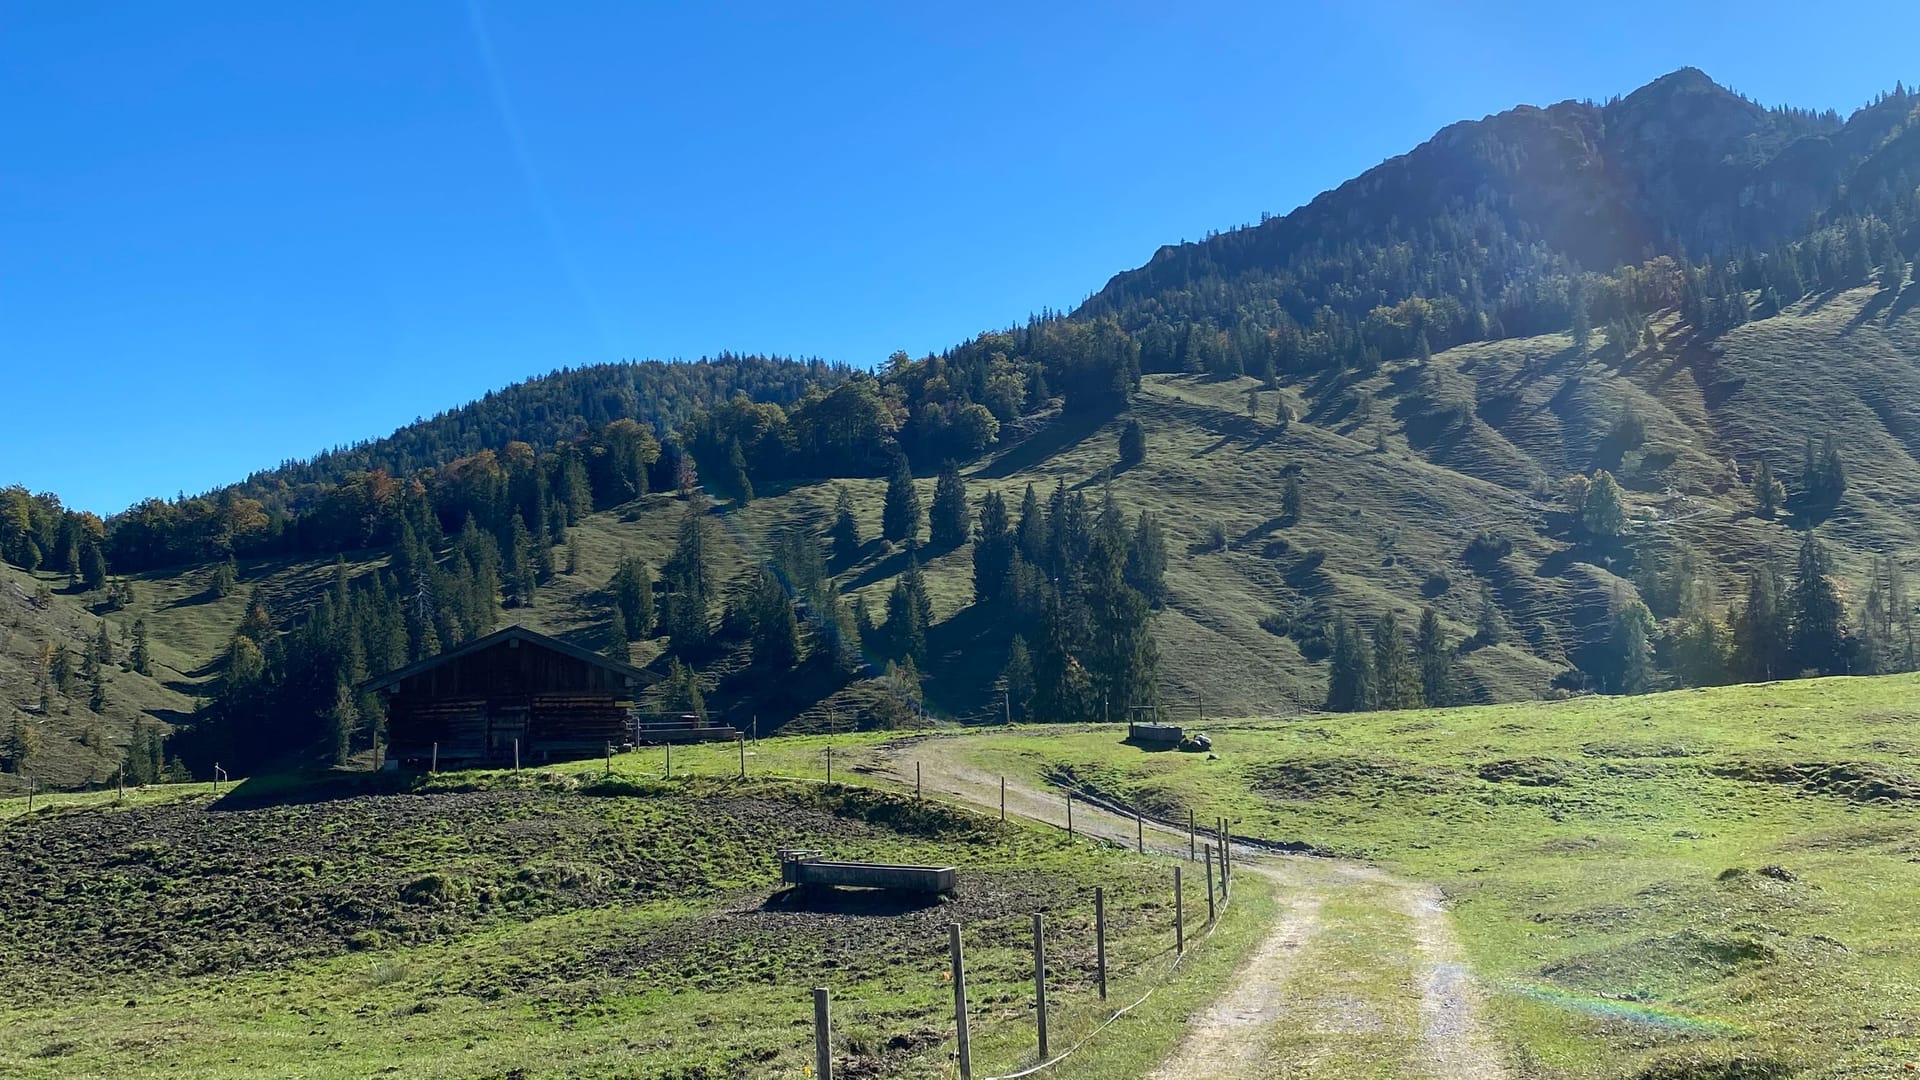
(474, 703)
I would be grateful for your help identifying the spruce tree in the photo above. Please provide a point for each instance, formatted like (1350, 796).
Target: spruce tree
(1350, 674)
(993, 550)
(1761, 641)
(139, 656)
(632, 588)
(846, 530)
(1018, 679)
(775, 627)
(343, 719)
(737, 474)
(1434, 660)
(1604, 515)
(97, 698)
(906, 632)
(1816, 611)
(900, 516)
(1133, 443)
(1768, 491)
(102, 645)
(1146, 568)
(949, 521)
(1630, 648)
(688, 579)
(1489, 627)
(1396, 681)
(1290, 503)
(1031, 534)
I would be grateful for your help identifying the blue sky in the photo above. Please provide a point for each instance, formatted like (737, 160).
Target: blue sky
(232, 234)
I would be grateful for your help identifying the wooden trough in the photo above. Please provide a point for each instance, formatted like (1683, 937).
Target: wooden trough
(810, 869)
(1155, 734)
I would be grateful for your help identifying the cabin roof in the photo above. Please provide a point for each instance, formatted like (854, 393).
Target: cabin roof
(516, 632)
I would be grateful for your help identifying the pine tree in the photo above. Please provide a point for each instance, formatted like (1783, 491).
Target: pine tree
(225, 579)
(619, 644)
(846, 530)
(1018, 680)
(1580, 322)
(1146, 567)
(906, 633)
(1768, 491)
(900, 516)
(1031, 534)
(775, 627)
(97, 699)
(949, 521)
(682, 695)
(1434, 660)
(1815, 604)
(1253, 401)
(523, 567)
(1350, 676)
(93, 567)
(102, 645)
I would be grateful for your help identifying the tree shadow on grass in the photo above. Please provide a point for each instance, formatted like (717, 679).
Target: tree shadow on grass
(1068, 429)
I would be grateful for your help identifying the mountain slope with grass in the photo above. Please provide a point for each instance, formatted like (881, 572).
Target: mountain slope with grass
(1370, 407)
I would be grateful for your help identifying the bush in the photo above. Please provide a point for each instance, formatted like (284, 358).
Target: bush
(1488, 547)
(1216, 539)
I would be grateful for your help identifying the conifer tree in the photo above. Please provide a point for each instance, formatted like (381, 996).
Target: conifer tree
(139, 656)
(1133, 443)
(1434, 660)
(1816, 611)
(775, 633)
(1146, 568)
(1396, 681)
(1760, 635)
(1768, 491)
(93, 567)
(737, 474)
(1350, 675)
(993, 549)
(343, 719)
(102, 645)
(682, 695)
(632, 589)
(846, 530)
(1018, 680)
(1630, 648)
(688, 578)
(1031, 534)
(949, 521)
(522, 565)
(1489, 627)
(1290, 503)
(900, 516)
(1603, 515)
(97, 698)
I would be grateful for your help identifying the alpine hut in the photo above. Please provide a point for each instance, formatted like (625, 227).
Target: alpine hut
(511, 692)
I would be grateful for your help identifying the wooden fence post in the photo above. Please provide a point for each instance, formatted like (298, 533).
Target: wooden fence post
(829, 765)
(1069, 813)
(742, 740)
(609, 757)
(822, 1035)
(669, 761)
(435, 767)
(1040, 978)
(1100, 938)
(1179, 915)
(960, 1001)
(1210, 911)
(916, 781)
(1139, 833)
(1003, 798)
(1190, 837)
(516, 755)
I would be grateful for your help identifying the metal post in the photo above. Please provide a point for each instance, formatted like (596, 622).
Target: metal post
(1210, 912)
(756, 729)
(1069, 813)
(1179, 914)
(435, 766)
(742, 740)
(516, 755)
(822, 1035)
(960, 1001)
(1190, 837)
(669, 761)
(610, 757)
(1006, 705)
(829, 764)
(1040, 978)
(1003, 798)
(1100, 938)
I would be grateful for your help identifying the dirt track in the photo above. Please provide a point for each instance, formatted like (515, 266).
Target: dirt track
(1281, 990)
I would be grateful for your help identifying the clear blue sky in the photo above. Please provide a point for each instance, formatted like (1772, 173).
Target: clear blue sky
(234, 233)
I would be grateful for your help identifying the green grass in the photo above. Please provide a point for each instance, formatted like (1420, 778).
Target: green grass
(557, 922)
(1709, 874)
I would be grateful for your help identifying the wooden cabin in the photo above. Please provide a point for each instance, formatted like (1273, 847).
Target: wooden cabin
(471, 705)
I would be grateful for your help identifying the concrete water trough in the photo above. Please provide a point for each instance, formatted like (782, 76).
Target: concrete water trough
(811, 869)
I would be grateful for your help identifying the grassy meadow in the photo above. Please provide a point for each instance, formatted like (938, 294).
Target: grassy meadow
(1702, 880)
(558, 923)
